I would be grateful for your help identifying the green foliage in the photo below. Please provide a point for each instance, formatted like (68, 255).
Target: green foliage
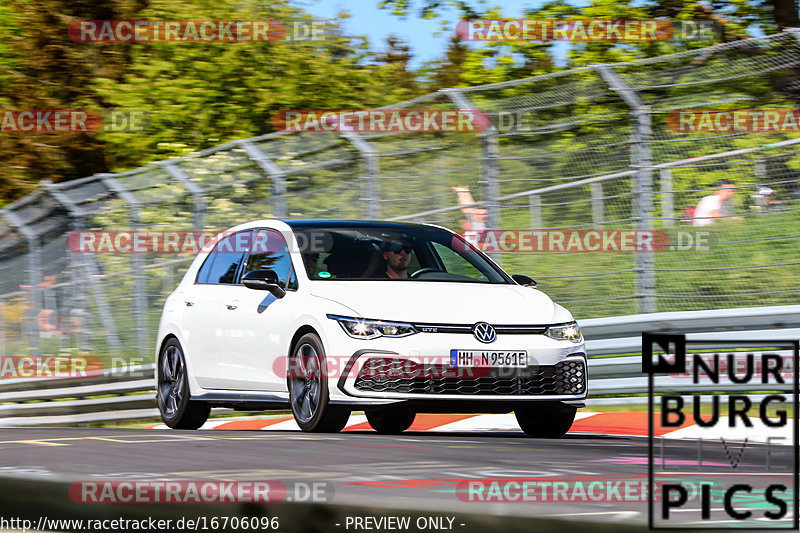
(194, 95)
(493, 62)
(201, 94)
(41, 68)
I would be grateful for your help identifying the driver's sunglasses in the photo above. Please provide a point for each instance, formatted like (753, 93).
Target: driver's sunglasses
(397, 247)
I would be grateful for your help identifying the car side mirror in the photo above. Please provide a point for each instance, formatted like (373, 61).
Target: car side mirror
(525, 281)
(264, 280)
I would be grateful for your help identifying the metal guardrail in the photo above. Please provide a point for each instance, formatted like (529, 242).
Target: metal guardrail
(129, 394)
(113, 395)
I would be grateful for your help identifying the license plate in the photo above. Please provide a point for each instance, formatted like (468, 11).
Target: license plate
(489, 358)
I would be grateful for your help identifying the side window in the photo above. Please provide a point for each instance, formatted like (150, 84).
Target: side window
(269, 252)
(223, 261)
(457, 264)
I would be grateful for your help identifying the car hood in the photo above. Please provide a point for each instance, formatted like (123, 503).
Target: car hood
(440, 302)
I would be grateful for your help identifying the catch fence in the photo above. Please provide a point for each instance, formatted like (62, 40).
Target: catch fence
(592, 148)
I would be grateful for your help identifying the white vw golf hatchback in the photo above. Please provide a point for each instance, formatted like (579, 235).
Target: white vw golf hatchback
(329, 316)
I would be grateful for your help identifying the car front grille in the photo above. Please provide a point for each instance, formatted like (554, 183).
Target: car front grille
(566, 378)
(467, 328)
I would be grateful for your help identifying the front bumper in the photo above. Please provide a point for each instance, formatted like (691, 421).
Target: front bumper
(557, 370)
(387, 375)
(384, 375)
(543, 380)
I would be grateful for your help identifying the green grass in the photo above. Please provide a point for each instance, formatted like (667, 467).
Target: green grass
(679, 287)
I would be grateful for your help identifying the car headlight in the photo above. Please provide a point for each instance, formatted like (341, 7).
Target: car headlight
(360, 328)
(565, 332)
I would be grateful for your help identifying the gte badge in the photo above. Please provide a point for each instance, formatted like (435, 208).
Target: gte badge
(723, 433)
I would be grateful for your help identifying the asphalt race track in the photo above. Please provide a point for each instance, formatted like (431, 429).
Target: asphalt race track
(414, 470)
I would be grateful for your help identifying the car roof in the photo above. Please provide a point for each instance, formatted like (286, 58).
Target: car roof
(352, 223)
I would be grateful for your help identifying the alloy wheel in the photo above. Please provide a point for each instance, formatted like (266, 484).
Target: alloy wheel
(306, 385)
(171, 385)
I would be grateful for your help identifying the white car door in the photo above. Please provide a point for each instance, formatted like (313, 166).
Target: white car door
(258, 322)
(205, 308)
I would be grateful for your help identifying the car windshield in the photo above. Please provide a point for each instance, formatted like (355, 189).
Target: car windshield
(392, 253)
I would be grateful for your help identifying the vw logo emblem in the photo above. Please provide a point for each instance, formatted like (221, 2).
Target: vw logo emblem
(484, 332)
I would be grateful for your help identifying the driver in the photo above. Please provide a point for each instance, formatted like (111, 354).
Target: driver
(397, 257)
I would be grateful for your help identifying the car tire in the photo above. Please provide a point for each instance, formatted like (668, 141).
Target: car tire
(309, 397)
(547, 420)
(390, 420)
(177, 410)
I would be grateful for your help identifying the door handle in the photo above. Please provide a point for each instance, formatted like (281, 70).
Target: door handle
(189, 303)
(231, 307)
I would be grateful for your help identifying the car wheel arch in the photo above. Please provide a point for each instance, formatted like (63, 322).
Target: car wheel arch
(302, 330)
(166, 339)
(187, 356)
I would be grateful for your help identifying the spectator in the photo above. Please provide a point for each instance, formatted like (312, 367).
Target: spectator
(716, 205)
(764, 199)
(46, 319)
(474, 217)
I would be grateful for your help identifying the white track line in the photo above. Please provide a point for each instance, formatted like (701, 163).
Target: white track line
(494, 422)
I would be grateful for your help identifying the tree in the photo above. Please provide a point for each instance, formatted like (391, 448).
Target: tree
(396, 58)
(767, 16)
(201, 94)
(785, 13)
(448, 71)
(195, 95)
(43, 69)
